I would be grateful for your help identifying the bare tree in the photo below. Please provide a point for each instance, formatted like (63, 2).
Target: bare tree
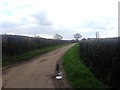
(57, 37)
(77, 36)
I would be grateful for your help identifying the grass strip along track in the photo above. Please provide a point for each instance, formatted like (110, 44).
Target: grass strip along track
(28, 55)
(77, 73)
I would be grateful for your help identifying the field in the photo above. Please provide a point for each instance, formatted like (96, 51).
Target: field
(102, 56)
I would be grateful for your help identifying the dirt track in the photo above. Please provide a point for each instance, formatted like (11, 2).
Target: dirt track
(36, 73)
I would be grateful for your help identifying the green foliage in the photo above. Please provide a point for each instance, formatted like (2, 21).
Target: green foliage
(78, 74)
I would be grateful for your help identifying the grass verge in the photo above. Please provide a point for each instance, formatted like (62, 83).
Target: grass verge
(28, 55)
(77, 73)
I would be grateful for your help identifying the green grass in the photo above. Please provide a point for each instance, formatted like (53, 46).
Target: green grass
(28, 55)
(77, 73)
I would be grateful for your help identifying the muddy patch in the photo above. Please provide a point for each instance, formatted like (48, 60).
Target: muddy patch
(42, 60)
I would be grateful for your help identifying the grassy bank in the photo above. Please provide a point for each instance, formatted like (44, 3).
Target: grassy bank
(28, 55)
(77, 73)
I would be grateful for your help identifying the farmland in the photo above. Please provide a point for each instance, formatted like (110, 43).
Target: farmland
(88, 64)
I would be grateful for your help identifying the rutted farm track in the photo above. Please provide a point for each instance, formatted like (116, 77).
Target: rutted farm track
(36, 73)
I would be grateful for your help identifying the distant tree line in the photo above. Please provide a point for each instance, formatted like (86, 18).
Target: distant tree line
(14, 44)
(102, 56)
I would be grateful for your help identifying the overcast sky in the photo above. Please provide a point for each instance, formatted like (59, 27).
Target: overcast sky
(65, 17)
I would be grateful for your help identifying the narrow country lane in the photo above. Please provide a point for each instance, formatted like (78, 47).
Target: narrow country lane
(36, 73)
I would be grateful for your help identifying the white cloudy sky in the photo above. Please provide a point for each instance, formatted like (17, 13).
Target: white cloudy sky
(65, 17)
